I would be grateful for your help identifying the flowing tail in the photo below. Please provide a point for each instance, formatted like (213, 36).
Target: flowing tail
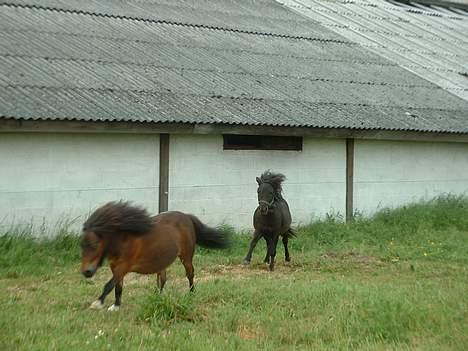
(291, 233)
(210, 237)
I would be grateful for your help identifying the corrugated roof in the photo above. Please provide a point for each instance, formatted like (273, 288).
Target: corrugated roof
(429, 41)
(194, 61)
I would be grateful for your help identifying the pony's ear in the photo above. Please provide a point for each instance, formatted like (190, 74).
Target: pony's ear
(259, 181)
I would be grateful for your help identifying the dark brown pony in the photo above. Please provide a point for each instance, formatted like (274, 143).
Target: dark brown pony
(272, 217)
(133, 241)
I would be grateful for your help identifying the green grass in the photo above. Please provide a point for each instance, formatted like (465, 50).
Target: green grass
(397, 281)
(157, 308)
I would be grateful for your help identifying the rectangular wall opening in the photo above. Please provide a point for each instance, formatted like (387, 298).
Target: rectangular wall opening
(262, 142)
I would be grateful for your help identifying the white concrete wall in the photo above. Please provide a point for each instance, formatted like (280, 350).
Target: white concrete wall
(51, 177)
(394, 173)
(219, 186)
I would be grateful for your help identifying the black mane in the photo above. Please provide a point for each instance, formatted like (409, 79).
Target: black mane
(119, 217)
(274, 179)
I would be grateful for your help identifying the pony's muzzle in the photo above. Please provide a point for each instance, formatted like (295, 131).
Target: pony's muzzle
(263, 209)
(264, 206)
(89, 272)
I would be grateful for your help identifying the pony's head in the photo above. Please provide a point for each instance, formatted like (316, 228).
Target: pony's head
(269, 188)
(103, 229)
(93, 252)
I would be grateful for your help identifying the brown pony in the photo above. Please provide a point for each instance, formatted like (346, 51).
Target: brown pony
(133, 241)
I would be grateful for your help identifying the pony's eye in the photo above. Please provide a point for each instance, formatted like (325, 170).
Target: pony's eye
(86, 245)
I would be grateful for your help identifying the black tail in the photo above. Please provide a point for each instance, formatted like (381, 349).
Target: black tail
(210, 237)
(290, 233)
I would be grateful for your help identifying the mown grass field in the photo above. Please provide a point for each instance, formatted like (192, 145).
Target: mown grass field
(398, 281)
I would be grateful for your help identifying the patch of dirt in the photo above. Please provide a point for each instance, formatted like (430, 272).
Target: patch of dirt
(236, 272)
(351, 256)
(249, 333)
(137, 279)
(14, 289)
(233, 272)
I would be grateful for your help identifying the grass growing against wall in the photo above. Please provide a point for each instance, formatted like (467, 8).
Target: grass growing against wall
(394, 281)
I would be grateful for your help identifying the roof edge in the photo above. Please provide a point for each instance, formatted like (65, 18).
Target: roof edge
(441, 3)
(93, 127)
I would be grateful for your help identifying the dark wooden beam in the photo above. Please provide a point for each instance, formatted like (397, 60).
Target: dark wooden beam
(14, 126)
(349, 179)
(163, 172)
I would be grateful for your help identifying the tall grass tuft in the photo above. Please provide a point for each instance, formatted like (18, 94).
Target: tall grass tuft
(435, 229)
(166, 308)
(23, 253)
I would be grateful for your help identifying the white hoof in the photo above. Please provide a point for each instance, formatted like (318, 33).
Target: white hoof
(96, 305)
(113, 308)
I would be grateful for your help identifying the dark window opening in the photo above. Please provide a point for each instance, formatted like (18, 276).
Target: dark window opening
(262, 142)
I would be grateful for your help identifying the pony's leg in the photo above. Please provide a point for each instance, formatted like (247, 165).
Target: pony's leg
(162, 280)
(189, 272)
(273, 244)
(287, 258)
(99, 303)
(253, 243)
(119, 274)
(118, 296)
(267, 256)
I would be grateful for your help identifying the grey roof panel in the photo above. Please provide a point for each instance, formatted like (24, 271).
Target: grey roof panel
(113, 105)
(118, 61)
(429, 41)
(52, 73)
(281, 22)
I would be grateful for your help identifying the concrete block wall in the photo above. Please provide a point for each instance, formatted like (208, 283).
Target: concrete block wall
(51, 177)
(46, 177)
(394, 173)
(219, 185)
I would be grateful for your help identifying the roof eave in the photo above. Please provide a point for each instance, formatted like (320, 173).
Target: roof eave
(51, 126)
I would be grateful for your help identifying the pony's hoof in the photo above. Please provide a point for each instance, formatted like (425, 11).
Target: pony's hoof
(246, 262)
(96, 305)
(113, 308)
